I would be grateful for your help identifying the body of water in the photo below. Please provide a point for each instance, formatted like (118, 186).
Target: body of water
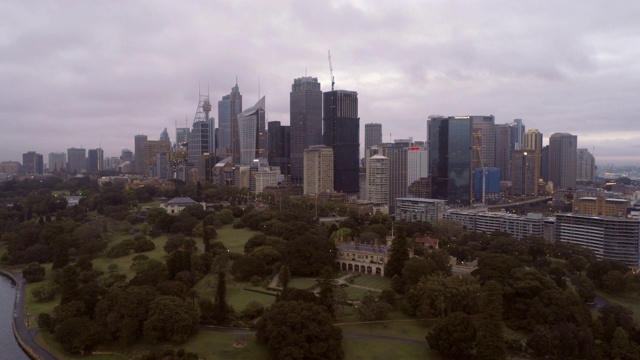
(9, 348)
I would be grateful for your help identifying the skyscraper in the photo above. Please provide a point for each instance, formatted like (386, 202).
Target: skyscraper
(417, 163)
(95, 160)
(341, 132)
(586, 166)
(139, 141)
(32, 163)
(201, 137)
(372, 135)
(562, 160)
(305, 109)
(484, 143)
(228, 109)
(450, 144)
(77, 159)
(517, 131)
(57, 161)
(279, 151)
(378, 180)
(396, 152)
(164, 135)
(251, 134)
(318, 170)
(532, 140)
(504, 149)
(525, 172)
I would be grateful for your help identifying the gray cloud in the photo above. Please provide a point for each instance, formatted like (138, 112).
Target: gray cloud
(81, 73)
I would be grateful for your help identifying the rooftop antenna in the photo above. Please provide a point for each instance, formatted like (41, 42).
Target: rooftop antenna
(331, 71)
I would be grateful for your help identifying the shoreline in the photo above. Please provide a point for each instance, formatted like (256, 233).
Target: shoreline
(19, 310)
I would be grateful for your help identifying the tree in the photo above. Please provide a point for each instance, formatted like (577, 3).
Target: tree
(372, 309)
(284, 276)
(490, 334)
(34, 272)
(221, 310)
(399, 254)
(248, 266)
(308, 255)
(622, 348)
(453, 336)
(299, 330)
(170, 319)
(78, 335)
(44, 293)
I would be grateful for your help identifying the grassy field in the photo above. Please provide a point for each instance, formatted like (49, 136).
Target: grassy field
(355, 293)
(630, 301)
(234, 239)
(302, 282)
(371, 281)
(376, 349)
(237, 296)
(124, 263)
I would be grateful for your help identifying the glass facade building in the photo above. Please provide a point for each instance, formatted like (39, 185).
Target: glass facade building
(305, 108)
(450, 142)
(341, 126)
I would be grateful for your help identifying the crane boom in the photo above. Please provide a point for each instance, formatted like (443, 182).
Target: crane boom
(331, 71)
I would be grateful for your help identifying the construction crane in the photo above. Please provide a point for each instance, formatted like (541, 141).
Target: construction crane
(331, 71)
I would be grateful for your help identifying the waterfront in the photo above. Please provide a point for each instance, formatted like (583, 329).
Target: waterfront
(9, 348)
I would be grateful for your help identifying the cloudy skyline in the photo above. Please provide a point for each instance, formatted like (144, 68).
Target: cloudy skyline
(91, 73)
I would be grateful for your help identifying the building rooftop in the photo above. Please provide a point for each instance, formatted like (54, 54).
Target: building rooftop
(364, 248)
(181, 201)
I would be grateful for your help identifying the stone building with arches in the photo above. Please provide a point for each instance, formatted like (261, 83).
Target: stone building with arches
(362, 258)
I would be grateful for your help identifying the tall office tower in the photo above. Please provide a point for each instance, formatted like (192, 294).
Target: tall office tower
(151, 151)
(532, 140)
(450, 143)
(525, 172)
(138, 163)
(305, 109)
(95, 160)
(201, 137)
(182, 136)
(504, 149)
(126, 155)
(279, 151)
(251, 134)
(77, 160)
(318, 170)
(341, 132)
(517, 131)
(57, 161)
(396, 152)
(586, 166)
(562, 160)
(33, 163)
(372, 135)
(228, 109)
(484, 141)
(377, 183)
(544, 163)
(417, 163)
(164, 135)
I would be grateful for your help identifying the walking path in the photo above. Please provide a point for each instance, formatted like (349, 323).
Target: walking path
(26, 337)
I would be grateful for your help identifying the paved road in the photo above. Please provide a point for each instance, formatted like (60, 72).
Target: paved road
(28, 336)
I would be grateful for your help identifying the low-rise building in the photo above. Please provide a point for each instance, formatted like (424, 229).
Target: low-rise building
(601, 206)
(515, 225)
(176, 205)
(362, 258)
(419, 209)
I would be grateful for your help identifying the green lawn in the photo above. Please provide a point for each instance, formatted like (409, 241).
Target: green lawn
(378, 349)
(234, 239)
(630, 301)
(237, 296)
(372, 281)
(124, 263)
(219, 346)
(355, 293)
(302, 282)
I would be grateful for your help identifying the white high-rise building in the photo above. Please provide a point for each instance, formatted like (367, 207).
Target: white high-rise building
(377, 188)
(417, 163)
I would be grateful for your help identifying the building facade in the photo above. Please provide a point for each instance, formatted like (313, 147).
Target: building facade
(562, 160)
(77, 160)
(228, 109)
(377, 180)
(608, 237)
(341, 132)
(372, 135)
(416, 209)
(600, 206)
(450, 145)
(318, 170)
(525, 172)
(585, 166)
(279, 147)
(252, 134)
(33, 163)
(305, 109)
(57, 161)
(362, 258)
(532, 140)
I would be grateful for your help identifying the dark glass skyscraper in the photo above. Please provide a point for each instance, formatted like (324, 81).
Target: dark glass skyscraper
(341, 126)
(228, 109)
(279, 151)
(305, 107)
(450, 143)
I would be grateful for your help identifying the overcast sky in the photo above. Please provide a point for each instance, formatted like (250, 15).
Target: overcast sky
(91, 73)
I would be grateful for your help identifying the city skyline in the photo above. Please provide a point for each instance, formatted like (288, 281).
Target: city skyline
(72, 78)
